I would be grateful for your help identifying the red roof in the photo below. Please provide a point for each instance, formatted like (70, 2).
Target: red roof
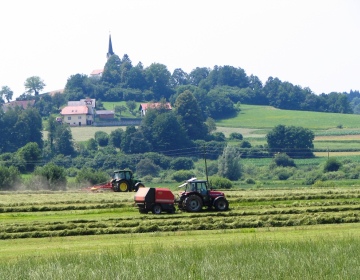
(144, 106)
(23, 103)
(74, 110)
(97, 72)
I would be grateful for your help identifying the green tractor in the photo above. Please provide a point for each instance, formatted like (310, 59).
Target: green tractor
(124, 181)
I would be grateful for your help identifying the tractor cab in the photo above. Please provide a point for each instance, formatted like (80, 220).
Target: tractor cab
(122, 174)
(124, 181)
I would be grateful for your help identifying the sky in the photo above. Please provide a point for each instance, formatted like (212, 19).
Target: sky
(313, 44)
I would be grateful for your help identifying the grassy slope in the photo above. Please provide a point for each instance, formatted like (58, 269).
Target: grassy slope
(268, 117)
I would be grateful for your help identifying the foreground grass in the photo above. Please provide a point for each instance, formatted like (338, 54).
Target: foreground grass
(317, 252)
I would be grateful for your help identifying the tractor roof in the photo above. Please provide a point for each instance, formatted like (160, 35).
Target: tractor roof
(117, 171)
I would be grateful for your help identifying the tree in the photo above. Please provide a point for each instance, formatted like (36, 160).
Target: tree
(63, 140)
(179, 77)
(120, 109)
(296, 142)
(7, 93)
(131, 105)
(31, 153)
(58, 99)
(189, 112)
(229, 166)
(34, 84)
(51, 128)
(102, 138)
(235, 136)
(198, 74)
(9, 176)
(158, 77)
(92, 145)
(210, 122)
(182, 163)
(115, 137)
(112, 71)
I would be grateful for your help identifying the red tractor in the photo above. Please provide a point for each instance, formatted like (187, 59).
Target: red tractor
(197, 194)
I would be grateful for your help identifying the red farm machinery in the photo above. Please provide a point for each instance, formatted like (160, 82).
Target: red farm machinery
(197, 195)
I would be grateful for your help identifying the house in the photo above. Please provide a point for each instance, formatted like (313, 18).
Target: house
(24, 104)
(97, 73)
(87, 102)
(105, 114)
(77, 115)
(144, 106)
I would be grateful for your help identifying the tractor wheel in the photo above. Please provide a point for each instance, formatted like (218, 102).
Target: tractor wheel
(137, 186)
(123, 186)
(221, 204)
(156, 209)
(193, 203)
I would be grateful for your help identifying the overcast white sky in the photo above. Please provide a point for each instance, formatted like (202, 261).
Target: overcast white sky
(313, 43)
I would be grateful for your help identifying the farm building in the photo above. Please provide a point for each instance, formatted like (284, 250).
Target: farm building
(77, 115)
(105, 114)
(144, 106)
(23, 104)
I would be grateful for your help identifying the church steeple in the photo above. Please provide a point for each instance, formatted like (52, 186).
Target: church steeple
(110, 52)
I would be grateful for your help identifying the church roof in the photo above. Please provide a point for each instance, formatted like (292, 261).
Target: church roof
(110, 52)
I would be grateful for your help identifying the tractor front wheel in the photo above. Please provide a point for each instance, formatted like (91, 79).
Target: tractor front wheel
(193, 203)
(137, 186)
(156, 209)
(221, 204)
(123, 186)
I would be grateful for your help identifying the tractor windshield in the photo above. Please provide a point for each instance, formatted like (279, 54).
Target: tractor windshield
(119, 175)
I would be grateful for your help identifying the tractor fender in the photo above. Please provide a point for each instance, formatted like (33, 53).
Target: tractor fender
(216, 199)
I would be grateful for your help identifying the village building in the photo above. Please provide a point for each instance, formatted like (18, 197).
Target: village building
(105, 114)
(144, 106)
(24, 104)
(77, 115)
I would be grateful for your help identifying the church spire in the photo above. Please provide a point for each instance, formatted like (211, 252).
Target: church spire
(110, 52)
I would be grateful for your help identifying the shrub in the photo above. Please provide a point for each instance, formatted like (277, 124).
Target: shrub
(322, 184)
(312, 177)
(284, 160)
(147, 178)
(147, 167)
(244, 144)
(91, 176)
(219, 136)
(220, 183)
(182, 163)
(236, 136)
(54, 175)
(250, 181)
(8, 177)
(72, 172)
(283, 175)
(182, 175)
(336, 175)
(332, 164)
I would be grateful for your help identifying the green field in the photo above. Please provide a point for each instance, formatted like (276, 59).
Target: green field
(275, 233)
(252, 116)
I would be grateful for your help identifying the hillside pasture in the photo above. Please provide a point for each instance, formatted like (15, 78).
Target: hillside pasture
(252, 116)
(124, 114)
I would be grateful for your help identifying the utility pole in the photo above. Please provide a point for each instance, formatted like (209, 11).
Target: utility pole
(205, 164)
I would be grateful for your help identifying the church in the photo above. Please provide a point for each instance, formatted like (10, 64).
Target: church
(98, 72)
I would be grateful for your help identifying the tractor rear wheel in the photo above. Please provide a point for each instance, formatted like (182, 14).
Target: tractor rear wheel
(193, 203)
(156, 209)
(137, 186)
(221, 204)
(124, 186)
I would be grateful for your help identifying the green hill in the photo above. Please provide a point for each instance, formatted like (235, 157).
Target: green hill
(252, 116)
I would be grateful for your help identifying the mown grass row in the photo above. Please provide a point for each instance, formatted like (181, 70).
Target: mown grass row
(43, 208)
(183, 225)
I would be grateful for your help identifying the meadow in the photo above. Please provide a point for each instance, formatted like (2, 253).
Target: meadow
(273, 233)
(252, 116)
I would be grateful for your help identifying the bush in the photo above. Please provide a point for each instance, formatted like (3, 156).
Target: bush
(284, 160)
(250, 181)
(322, 184)
(283, 175)
(72, 172)
(182, 163)
(182, 175)
(336, 175)
(244, 144)
(219, 136)
(147, 178)
(147, 167)
(332, 164)
(91, 176)
(8, 177)
(312, 177)
(54, 175)
(220, 183)
(236, 136)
